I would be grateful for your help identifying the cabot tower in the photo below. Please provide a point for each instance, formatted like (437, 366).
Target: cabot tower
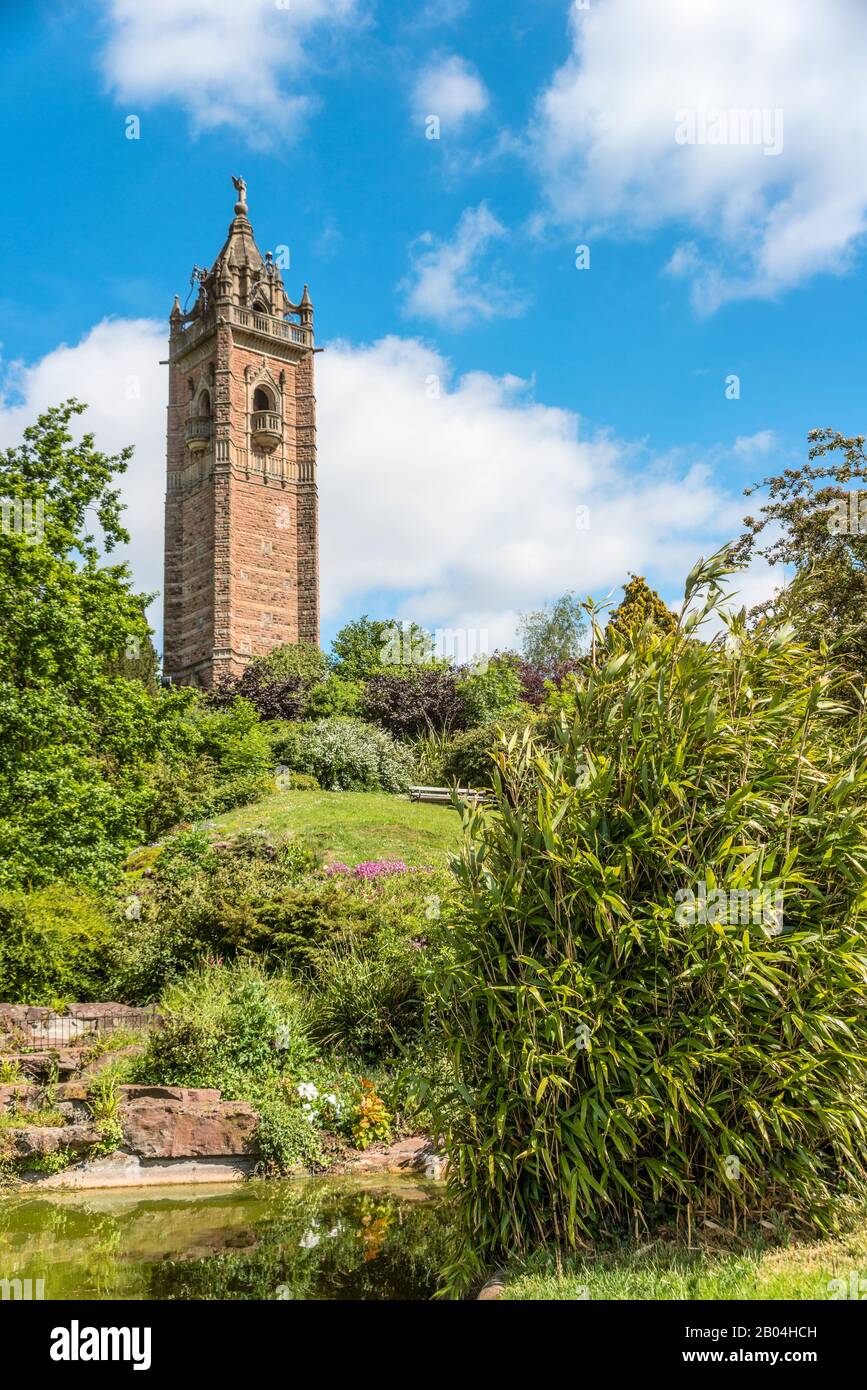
(242, 535)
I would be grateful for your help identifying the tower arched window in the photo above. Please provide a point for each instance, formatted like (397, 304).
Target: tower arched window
(262, 399)
(204, 405)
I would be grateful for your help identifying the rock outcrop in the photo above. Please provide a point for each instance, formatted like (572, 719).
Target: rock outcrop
(36, 1141)
(188, 1129)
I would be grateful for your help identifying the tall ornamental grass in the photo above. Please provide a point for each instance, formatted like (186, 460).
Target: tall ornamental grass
(657, 1001)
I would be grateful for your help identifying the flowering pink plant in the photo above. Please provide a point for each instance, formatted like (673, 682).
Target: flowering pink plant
(370, 869)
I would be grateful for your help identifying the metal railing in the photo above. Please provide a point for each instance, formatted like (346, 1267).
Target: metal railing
(67, 1030)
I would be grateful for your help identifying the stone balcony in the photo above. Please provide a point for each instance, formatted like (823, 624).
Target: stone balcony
(195, 327)
(198, 433)
(266, 429)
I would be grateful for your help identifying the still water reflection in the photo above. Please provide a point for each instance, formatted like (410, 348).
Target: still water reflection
(299, 1238)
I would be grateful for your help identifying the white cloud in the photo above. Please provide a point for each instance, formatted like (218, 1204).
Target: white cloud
(446, 284)
(451, 89)
(462, 506)
(755, 446)
(759, 222)
(238, 63)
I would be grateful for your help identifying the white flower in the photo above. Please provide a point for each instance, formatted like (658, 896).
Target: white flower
(307, 1090)
(309, 1240)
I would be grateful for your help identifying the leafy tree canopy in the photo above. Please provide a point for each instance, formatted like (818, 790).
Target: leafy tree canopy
(811, 520)
(553, 634)
(92, 754)
(365, 646)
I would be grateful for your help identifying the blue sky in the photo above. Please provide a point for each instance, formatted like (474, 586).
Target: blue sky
(455, 258)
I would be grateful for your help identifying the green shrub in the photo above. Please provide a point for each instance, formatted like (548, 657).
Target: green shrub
(245, 1033)
(286, 1138)
(429, 752)
(204, 900)
(251, 896)
(346, 755)
(370, 990)
(335, 696)
(230, 1027)
(54, 945)
(298, 782)
(468, 757)
(491, 691)
(367, 995)
(626, 1052)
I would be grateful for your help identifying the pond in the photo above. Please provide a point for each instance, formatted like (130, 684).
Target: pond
(299, 1238)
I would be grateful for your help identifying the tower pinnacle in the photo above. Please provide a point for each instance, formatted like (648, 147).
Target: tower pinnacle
(241, 208)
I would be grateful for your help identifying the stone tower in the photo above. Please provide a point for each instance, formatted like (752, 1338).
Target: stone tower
(242, 536)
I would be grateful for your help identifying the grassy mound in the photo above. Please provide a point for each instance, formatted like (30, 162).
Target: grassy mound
(353, 826)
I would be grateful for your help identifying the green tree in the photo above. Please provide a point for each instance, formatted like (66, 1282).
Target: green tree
(71, 732)
(364, 646)
(553, 634)
(91, 752)
(641, 604)
(811, 522)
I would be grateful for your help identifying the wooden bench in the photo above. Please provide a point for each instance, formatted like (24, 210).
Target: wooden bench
(443, 794)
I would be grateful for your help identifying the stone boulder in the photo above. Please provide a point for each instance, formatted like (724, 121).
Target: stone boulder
(12, 1014)
(91, 1011)
(171, 1129)
(19, 1093)
(38, 1140)
(40, 1065)
(414, 1155)
(184, 1095)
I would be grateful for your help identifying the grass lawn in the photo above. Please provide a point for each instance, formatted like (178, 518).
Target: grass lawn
(354, 826)
(667, 1272)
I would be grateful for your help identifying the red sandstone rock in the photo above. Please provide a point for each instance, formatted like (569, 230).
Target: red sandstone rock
(38, 1140)
(91, 1011)
(169, 1129)
(187, 1095)
(40, 1064)
(18, 1092)
(13, 1013)
(416, 1155)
